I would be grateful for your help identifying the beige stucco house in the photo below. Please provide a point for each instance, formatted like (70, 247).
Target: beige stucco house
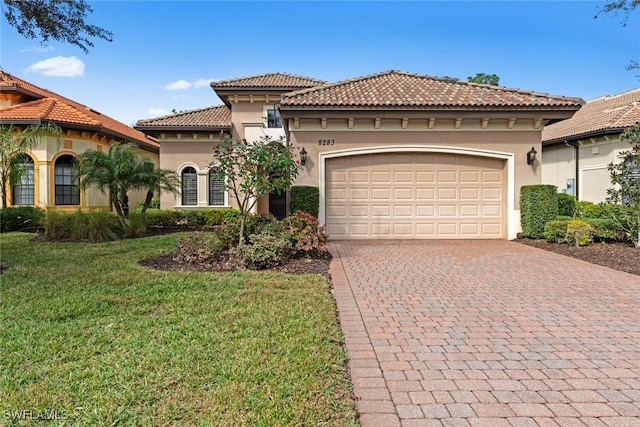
(394, 154)
(48, 181)
(577, 151)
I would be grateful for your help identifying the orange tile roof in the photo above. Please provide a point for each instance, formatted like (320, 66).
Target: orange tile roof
(607, 113)
(268, 81)
(215, 118)
(47, 109)
(401, 90)
(48, 105)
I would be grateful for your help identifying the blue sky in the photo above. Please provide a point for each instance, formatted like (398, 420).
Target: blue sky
(164, 53)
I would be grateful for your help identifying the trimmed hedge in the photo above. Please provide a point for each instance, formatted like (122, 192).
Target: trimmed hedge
(189, 218)
(566, 204)
(538, 205)
(604, 230)
(20, 218)
(304, 198)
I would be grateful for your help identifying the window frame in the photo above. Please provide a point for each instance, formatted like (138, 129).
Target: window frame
(65, 194)
(222, 190)
(18, 190)
(186, 170)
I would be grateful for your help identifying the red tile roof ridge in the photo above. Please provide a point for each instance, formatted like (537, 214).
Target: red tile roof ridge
(181, 113)
(215, 83)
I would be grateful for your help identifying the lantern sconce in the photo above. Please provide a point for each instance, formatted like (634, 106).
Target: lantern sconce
(303, 156)
(531, 156)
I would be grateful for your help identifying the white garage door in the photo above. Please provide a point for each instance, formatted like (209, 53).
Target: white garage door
(415, 196)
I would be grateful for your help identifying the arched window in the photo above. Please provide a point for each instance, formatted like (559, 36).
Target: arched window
(23, 190)
(67, 189)
(216, 189)
(189, 186)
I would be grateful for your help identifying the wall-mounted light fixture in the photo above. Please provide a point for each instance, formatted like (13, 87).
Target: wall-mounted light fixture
(531, 156)
(303, 156)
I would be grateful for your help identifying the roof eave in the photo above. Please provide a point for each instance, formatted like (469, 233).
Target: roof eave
(584, 135)
(170, 128)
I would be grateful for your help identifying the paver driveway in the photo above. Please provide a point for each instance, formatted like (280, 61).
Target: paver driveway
(487, 333)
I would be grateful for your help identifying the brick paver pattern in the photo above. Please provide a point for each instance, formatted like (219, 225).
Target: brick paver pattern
(486, 333)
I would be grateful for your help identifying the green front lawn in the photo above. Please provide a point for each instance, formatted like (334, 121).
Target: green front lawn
(90, 336)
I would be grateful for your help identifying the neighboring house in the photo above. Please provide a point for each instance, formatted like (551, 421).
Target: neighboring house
(577, 151)
(49, 181)
(394, 154)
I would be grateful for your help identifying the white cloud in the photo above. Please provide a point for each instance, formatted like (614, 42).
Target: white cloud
(178, 85)
(202, 83)
(37, 49)
(59, 66)
(184, 85)
(156, 112)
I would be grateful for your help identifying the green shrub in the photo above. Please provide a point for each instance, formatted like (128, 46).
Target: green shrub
(55, 224)
(538, 205)
(77, 226)
(103, 226)
(136, 226)
(20, 218)
(308, 238)
(304, 198)
(555, 230)
(163, 218)
(265, 251)
(579, 233)
(566, 204)
(586, 209)
(155, 204)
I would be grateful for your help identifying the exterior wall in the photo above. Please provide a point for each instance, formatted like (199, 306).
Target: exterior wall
(594, 157)
(178, 154)
(511, 145)
(559, 167)
(594, 176)
(249, 121)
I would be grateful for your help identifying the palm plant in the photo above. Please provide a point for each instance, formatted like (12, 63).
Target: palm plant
(119, 171)
(16, 142)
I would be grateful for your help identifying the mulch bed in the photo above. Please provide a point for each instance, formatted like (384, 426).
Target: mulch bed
(616, 255)
(292, 266)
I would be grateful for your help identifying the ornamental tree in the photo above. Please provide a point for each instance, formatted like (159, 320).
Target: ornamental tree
(250, 170)
(625, 176)
(119, 171)
(487, 79)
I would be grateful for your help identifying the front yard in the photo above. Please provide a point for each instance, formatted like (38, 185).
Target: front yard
(90, 337)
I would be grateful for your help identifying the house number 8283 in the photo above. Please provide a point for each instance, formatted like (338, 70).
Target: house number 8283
(326, 141)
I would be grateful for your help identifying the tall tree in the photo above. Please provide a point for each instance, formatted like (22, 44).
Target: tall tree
(119, 171)
(15, 142)
(625, 176)
(60, 20)
(253, 169)
(487, 79)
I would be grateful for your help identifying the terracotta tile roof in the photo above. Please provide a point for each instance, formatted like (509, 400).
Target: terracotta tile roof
(48, 105)
(49, 109)
(216, 117)
(401, 90)
(607, 113)
(268, 81)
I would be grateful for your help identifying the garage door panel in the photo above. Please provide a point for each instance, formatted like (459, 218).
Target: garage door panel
(447, 193)
(381, 194)
(425, 194)
(415, 195)
(403, 193)
(381, 177)
(400, 211)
